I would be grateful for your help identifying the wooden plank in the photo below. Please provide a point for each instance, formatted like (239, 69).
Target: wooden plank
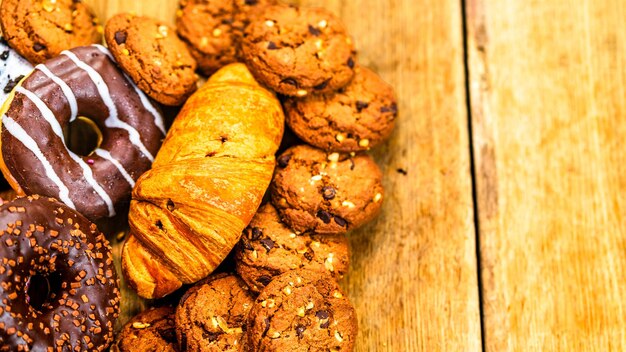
(548, 87)
(414, 272)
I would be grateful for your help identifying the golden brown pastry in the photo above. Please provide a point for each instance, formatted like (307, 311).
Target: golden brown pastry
(205, 184)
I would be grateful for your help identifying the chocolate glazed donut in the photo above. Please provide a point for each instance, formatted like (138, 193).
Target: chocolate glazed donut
(46, 247)
(82, 82)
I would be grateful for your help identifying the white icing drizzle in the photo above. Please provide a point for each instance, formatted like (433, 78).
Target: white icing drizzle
(104, 50)
(48, 115)
(45, 111)
(113, 120)
(67, 91)
(106, 155)
(158, 118)
(18, 132)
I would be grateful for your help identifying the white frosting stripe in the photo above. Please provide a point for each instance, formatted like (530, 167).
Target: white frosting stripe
(18, 132)
(106, 155)
(88, 174)
(113, 120)
(45, 111)
(104, 50)
(158, 119)
(48, 115)
(67, 91)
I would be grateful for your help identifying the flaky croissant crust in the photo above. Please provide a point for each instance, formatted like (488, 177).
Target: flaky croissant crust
(205, 184)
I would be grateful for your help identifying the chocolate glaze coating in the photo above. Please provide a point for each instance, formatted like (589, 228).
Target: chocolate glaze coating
(132, 133)
(40, 236)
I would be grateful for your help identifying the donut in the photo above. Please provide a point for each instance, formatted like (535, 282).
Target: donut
(80, 84)
(13, 68)
(58, 285)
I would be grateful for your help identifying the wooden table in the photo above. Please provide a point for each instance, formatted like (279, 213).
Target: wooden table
(504, 225)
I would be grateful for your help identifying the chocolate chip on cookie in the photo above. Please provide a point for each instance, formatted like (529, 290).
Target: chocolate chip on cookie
(207, 28)
(357, 117)
(301, 310)
(297, 51)
(151, 330)
(211, 315)
(268, 248)
(153, 56)
(326, 193)
(41, 29)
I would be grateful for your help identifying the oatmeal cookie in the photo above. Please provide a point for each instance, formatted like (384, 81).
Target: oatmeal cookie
(297, 51)
(269, 248)
(210, 316)
(327, 193)
(40, 30)
(152, 330)
(153, 56)
(356, 118)
(208, 29)
(301, 310)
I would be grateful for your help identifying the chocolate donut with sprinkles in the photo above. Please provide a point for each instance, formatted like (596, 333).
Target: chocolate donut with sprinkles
(80, 84)
(58, 285)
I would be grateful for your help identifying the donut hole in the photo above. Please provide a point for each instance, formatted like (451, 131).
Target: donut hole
(40, 290)
(83, 136)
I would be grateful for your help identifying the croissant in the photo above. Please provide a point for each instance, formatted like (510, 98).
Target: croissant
(205, 184)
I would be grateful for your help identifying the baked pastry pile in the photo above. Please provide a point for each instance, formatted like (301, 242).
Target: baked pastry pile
(220, 181)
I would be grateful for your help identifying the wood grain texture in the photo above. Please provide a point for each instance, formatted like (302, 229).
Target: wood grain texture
(547, 85)
(414, 272)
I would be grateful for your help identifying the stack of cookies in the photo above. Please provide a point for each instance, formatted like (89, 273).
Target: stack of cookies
(284, 294)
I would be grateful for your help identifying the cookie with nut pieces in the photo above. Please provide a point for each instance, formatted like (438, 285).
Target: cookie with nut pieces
(150, 330)
(40, 30)
(269, 248)
(153, 56)
(298, 51)
(301, 310)
(358, 117)
(326, 193)
(246, 11)
(207, 28)
(211, 315)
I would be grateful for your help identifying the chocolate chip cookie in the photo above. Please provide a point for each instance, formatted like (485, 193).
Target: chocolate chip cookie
(153, 56)
(356, 118)
(211, 315)
(327, 193)
(268, 248)
(246, 11)
(41, 29)
(207, 27)
(301, 310)
(297, 51)
(152, 330)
